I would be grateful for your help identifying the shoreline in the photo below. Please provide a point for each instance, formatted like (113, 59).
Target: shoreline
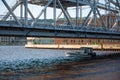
(72, 47)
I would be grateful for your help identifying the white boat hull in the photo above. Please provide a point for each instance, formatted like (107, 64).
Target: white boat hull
(80, 55)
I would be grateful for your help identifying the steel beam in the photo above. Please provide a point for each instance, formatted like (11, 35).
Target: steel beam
(94, 12)
(83, 2)
(85, 21)
(7, 6)
(27, 9)
(59, 15)
(90, 21)
(118, 4)
(45, 15)
(81, 14)
(37, 32)
(65, 12)
(12, 9)
(49, 2)
(103, 22)
(31, 14)
(26, 12)
(21, 11)
(77, 12)
(54, 12)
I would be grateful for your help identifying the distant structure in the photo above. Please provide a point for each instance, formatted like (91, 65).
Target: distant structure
(5, 40)
(72, 43)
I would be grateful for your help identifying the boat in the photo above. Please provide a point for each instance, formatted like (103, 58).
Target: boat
(83, 52)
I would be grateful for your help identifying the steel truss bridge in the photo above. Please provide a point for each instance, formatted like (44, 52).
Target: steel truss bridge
(101, 21)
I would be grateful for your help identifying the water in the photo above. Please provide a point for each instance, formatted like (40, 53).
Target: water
(19, 58)
(20, 63)
(20, 52)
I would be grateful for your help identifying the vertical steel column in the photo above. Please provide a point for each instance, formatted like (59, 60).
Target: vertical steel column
(95, 15)
(118, 21)
(118, 2)
(65, 19)
(54, 12)
(21, 11)
(45, 16)
(106, 13)
(77, 12)
(80, 14)
(108, 17)
(26, 12)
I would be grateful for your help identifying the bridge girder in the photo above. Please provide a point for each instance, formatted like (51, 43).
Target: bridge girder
(51, 32)
(94, 5)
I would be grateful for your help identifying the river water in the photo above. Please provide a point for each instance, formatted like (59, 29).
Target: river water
(20, 63)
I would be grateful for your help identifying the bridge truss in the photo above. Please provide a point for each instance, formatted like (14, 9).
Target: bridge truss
(102, 19)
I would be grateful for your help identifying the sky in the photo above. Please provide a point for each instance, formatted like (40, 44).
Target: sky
(36, 10)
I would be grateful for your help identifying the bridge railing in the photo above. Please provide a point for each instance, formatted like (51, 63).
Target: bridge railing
(48, 25)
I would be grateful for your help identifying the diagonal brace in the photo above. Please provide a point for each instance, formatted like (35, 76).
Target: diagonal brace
(7, 6)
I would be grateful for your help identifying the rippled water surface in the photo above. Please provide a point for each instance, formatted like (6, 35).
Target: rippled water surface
(20, 52)
(96, 69)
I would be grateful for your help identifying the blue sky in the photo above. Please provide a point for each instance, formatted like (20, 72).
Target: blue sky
(36, 10)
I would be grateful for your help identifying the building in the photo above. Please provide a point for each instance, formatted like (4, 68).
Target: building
(72, 43)
(5, 40)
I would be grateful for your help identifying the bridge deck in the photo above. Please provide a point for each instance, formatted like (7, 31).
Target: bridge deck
(71, 3)
(65, 3)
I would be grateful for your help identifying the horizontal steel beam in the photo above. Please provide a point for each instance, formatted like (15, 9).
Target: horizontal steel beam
(39, 32)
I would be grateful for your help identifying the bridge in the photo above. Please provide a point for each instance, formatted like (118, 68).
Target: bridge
(101, 21)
